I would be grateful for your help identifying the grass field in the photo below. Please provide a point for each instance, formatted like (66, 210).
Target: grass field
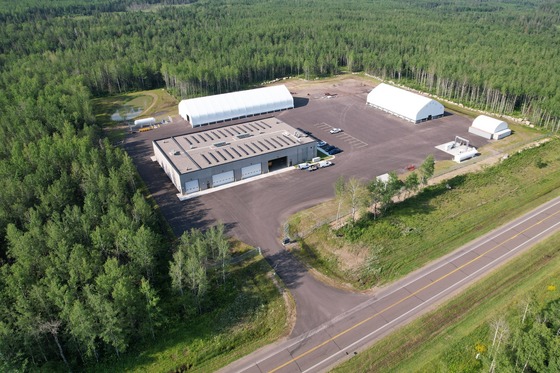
(155, 103)
(406, 239)
(251, 313)
(445, 340)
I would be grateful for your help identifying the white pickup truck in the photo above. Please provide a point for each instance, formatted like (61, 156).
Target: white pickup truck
(324, 164)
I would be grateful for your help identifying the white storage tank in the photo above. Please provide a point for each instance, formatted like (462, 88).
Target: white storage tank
(145, 122)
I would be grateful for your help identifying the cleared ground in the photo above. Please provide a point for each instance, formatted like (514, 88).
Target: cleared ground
(255, 212)
(154, 103)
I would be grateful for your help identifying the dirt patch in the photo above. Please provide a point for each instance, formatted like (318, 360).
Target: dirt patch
(331, 89)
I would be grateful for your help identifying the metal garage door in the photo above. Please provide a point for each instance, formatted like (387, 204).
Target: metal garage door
(191, 186)
(249, 171)
(223, 178)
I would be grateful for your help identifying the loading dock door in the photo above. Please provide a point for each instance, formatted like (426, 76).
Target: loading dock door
(223, 178)
(191, 186)
(250, 171)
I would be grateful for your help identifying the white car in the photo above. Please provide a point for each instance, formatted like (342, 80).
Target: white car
(335, 130)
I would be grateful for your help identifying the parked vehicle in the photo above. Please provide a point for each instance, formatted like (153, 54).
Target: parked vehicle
(313, 168)
(334, 151)
(303, 166)
(328, 148)
(324, 164)
(320, 144)
(335, 130)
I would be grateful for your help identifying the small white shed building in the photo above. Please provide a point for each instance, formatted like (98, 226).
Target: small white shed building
(489, 128)
(212, 109)
(404, 104)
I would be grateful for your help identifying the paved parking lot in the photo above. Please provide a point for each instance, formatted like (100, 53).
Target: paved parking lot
(373, 142)
(353, 142)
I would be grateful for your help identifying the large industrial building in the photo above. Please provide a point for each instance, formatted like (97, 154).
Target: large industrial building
(207, 159)
(218, 108)
(489, 128)
(404, 104)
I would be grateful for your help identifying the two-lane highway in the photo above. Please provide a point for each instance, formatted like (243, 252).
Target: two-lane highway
(404, 300)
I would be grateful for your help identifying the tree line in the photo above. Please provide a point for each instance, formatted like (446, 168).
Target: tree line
(529, 341)
(494, 55)
(377, 196)
(84, 259)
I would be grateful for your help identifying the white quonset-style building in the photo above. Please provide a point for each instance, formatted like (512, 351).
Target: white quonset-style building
(214, 157)
(218, 108)
(489, 128)
(404, 104)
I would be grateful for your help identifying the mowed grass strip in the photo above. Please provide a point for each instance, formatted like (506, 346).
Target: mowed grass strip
(251, 313)
(437, 220)
(444, 340)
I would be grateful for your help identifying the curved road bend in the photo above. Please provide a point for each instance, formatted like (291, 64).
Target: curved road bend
(254, 213)
(259, 223)
(404, 300)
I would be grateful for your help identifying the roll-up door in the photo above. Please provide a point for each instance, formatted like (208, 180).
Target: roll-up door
(252, 170)
(191, 186)
(223, 178)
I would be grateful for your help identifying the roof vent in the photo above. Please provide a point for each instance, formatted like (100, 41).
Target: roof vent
(243, 135)
(175, 152)
(220, 144)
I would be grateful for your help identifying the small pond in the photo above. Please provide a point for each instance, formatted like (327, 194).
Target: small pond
(131, 109)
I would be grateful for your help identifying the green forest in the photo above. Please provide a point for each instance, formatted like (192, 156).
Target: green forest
(84, 257)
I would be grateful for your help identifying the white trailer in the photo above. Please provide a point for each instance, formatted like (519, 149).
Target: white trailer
(145, 122)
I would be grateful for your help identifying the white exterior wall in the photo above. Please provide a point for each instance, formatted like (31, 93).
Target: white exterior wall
(217, 108)
(468, 154)
(404, 104)
(432, 108)
(489, 128)
(479, 132)
(171, 172)
(500, 135)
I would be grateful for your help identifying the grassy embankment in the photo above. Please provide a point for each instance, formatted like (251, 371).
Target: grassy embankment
(249, 313)
(154, 103)
(434, 222)
(445, 340)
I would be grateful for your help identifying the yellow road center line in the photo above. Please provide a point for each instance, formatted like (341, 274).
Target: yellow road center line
(407, 297)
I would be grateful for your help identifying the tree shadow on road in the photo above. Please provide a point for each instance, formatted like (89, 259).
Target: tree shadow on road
(288, 268)
(181, 216)
(185, 215)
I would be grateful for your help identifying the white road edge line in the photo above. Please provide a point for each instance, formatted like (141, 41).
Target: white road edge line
(423, 303)
(491, 236)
